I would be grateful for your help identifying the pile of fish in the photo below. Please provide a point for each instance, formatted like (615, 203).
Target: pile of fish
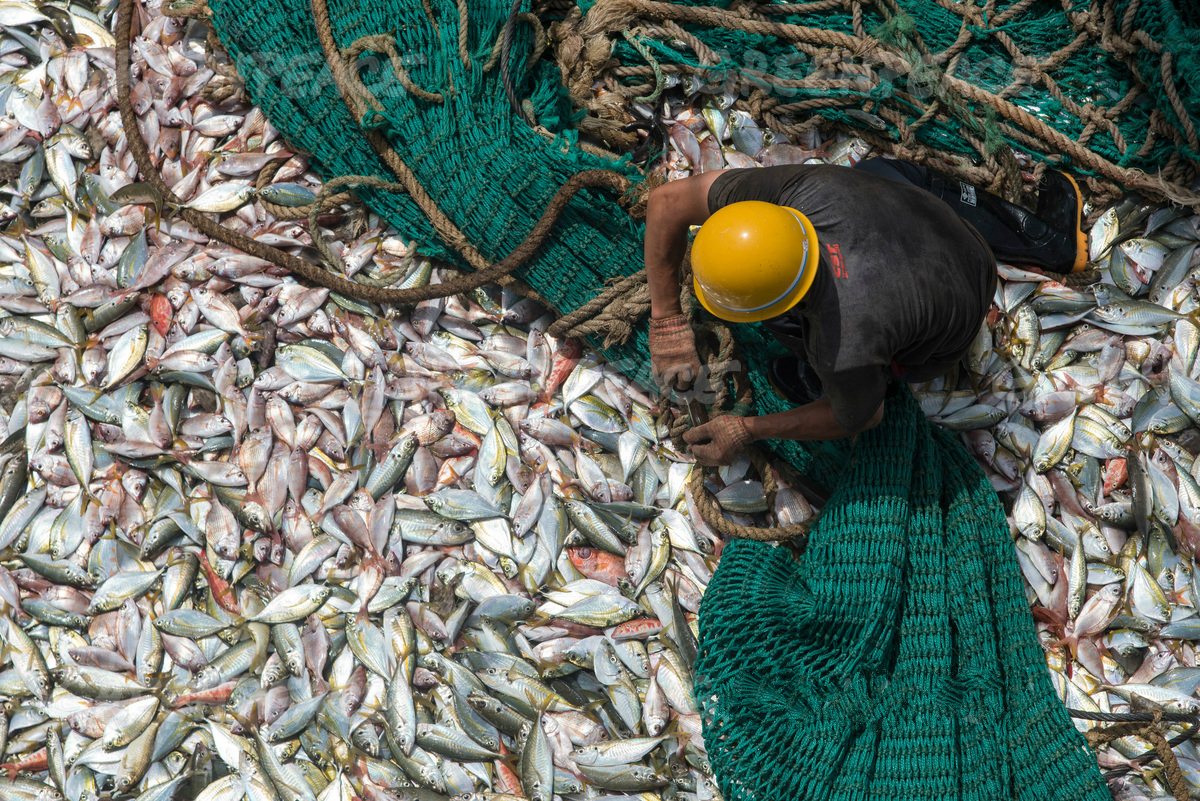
(259, 539)
(1082, 402)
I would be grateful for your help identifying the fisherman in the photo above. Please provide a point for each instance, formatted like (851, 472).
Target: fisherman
(868, 275)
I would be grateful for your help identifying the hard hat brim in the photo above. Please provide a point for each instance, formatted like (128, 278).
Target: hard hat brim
(782, 305)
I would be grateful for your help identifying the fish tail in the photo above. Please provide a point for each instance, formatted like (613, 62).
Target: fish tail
(164, 697)
(180, 452)
(539, 619)
(1193, 317)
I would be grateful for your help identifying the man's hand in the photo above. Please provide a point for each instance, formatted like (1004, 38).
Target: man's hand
(719, 441)
(673, 357)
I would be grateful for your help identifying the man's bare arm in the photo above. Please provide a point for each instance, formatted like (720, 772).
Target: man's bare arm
(813, 421)
(670, 209)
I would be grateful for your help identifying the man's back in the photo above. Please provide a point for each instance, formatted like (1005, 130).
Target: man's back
(903, 278)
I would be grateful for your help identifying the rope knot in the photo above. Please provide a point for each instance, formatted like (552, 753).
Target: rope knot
(194, 9)
(374, 120)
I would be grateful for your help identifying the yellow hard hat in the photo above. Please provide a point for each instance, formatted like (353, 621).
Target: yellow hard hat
(753, 260)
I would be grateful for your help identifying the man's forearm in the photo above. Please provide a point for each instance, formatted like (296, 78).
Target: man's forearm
(670, 209)
(665, 246)
(664, 289)
(811, 422)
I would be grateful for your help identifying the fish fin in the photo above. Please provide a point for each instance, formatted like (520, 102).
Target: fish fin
(544, 706)
(239, 621)
(247, 724)
(539, 618)
(165, 701)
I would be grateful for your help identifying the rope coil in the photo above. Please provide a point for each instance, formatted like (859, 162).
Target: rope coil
(710, 509)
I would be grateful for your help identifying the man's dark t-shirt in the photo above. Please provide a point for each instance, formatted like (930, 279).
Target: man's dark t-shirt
(902, 279)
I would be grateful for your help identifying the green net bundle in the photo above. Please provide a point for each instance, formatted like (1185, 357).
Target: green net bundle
(1106, 88)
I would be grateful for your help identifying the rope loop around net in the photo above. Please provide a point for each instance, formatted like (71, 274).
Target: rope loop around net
(710, 509)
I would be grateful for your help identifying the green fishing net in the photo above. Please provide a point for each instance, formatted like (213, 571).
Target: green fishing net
(896, 658)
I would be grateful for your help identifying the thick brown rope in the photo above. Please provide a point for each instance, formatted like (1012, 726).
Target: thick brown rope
(357, 97)
(612, 313)
(1033, 72)
(719, 18)
(267, 173)
(382, 43)
(1153, 732)
(200, 221)
(358, 100)
(710, 509)
(1130, 178)
(463, 32)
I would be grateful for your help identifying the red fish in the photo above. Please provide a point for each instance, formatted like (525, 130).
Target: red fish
(597, 564)
(221, 591)
(573, 628)
(637, 629)
(213, 696)
(566, 356)
(37, 761)
(1115, 474)
(507, 780)
(161, 311)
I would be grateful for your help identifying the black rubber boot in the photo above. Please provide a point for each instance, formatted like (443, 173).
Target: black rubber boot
(1050, 239)
(794, 380)
(1060, 204)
